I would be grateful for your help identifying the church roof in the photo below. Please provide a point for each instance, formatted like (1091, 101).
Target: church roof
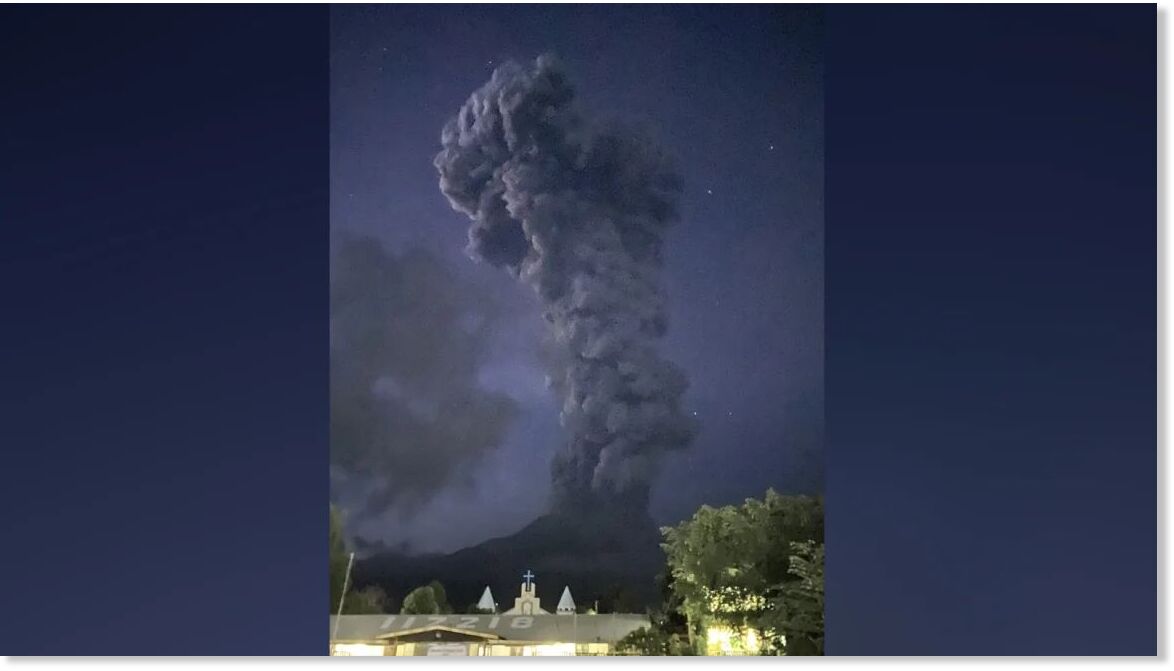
(487, 602)
(565, 603)
(538, 628)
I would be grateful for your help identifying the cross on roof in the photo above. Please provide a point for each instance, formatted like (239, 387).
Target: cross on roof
(528, 576)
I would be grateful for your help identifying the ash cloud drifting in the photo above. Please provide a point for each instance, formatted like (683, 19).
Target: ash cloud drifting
(578, 212)
(407, 339)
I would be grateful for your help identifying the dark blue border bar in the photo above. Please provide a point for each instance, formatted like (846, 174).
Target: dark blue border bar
(991, 330)
(163, 345)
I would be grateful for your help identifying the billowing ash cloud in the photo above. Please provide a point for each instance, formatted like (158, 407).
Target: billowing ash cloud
(407, 339)
(578, 212)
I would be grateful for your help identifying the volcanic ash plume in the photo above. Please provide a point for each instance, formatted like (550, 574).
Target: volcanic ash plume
(407, 339)
(578, 213)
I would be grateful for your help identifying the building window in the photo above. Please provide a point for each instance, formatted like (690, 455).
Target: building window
(555, 650)
(595, 649)
(356, 650)
(494, 650)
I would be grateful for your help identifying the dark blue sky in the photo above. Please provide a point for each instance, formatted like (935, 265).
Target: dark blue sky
(735, 94)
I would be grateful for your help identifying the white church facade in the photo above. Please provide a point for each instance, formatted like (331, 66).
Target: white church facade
(526, 629)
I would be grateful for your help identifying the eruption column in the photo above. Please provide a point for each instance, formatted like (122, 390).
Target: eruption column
(578, 212)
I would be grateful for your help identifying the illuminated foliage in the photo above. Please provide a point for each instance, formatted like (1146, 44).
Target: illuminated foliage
(731, 567)
(724, 640)
(653, 641)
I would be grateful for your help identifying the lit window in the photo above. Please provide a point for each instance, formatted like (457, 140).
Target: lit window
(555, 650)
(498, 650)
(357, 650)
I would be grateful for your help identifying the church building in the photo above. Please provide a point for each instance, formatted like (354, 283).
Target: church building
(527, 602)
(526, 629)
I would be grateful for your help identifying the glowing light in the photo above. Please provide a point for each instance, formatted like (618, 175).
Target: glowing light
(723, 640)
(733, 600)
(555, 650)
(496, 651)
(719, 640)
(357, 650)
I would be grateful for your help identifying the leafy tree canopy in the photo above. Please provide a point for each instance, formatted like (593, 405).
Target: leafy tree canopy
(430, 599)
(367, 601)
(797, 608)
(732, 565)
(653, 641)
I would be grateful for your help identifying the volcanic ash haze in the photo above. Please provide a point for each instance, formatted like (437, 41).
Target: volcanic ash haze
(578, 212)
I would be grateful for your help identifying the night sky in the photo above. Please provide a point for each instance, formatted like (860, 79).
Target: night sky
(735, 95)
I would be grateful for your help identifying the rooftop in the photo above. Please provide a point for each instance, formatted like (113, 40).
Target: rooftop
(607, 628)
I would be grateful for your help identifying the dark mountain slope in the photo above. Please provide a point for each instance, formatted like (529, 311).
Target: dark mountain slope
(609, 556)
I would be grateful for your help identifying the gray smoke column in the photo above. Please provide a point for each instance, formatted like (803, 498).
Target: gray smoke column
(578, 212)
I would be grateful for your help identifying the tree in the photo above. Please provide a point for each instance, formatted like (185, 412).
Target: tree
(420, 601)
(653, 641)
(367, 601)
(669, 630)
(729, 566)
(798, 607)
(474, 609)
(668, 616)
(441, 596)
(619, 598)
(427, 600)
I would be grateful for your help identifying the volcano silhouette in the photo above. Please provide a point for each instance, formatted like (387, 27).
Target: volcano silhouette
(607, 555)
